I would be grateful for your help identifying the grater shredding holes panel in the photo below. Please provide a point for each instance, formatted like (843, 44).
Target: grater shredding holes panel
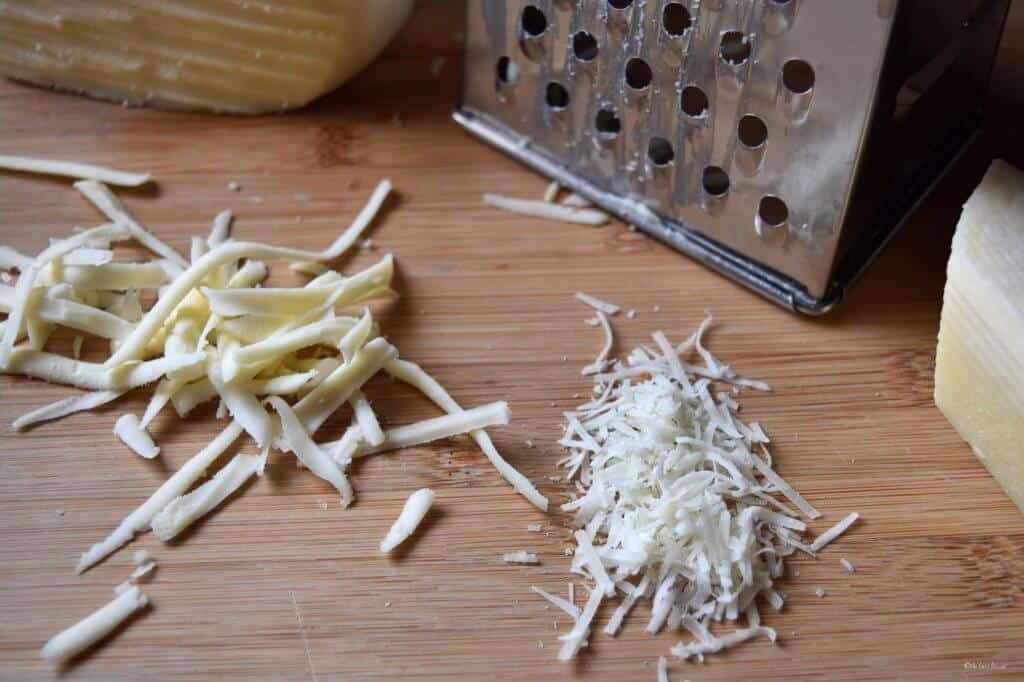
(735, 48)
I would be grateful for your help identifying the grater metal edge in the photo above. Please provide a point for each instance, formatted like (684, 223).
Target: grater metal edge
(878, 215)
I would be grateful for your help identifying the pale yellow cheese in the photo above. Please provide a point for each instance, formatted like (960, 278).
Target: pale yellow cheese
(979, 367)
(248, 56)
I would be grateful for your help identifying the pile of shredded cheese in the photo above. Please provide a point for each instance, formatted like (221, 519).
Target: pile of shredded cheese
(676, 501)
(280, 361)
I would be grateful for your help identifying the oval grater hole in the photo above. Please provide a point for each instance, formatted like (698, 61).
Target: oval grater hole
(752, 131)
(715, 181)
(798, 76)
(638, 74)
(507, 71)
(556, 96)
(660, 151)
(694, 102)
(620, 4)
(533, 21)
(676, 19)
(735, 48)
(607, 123)
(584, 46)
(772, 212)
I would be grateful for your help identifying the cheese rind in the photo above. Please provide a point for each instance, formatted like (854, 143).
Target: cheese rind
(249, 57)
(979, 365)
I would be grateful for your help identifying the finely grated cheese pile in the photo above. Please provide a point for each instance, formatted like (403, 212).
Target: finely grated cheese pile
(676, 501)
(281, 361)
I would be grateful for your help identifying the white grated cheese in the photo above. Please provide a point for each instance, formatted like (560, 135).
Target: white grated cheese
(134, 435)
(662, 669)
(570, 609)
(834, 532)
(819, 593)
(597, 304)
(71, 169)
(94, 627)
(140, 556)
(415, 508)
(548, 211)
(520, 557)
(535, 528)
(599, 363)
(847, 565)
(673, 505)
(143, 573)
(576, 201)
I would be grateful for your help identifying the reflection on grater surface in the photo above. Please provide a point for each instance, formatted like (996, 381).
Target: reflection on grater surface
(779, 141)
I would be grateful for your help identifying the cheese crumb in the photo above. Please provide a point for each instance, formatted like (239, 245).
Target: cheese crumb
(520, 557)
(535, 528)
(234, 186)
(820, 592)
(847, 565)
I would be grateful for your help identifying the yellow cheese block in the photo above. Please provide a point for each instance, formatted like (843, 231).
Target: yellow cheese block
(238, 56)
(979, 367)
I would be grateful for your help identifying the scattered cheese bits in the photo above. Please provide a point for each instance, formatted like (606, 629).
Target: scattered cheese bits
(132, 434)
(546, 210)
(551, 191)
(94, 627)
(416, 507)
(520, 557)
(673, 503)
(847, 565)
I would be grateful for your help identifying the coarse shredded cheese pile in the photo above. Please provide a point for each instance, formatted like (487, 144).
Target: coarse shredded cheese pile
(676, 501)
(281, 361)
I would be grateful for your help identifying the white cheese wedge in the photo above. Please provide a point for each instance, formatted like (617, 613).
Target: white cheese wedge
(979, 365)
(245, 57)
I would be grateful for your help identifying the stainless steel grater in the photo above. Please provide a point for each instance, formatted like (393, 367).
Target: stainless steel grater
(781, 142)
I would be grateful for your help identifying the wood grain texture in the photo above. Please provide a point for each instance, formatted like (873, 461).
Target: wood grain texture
(282, 583)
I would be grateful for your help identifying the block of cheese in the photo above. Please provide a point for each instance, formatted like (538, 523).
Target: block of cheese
(979, 367)
(236, 56)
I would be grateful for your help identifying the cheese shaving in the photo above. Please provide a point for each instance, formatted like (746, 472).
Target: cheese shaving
(66, 406)
(414, 375)
(570, 609)
(309, 453)
(70, 169)
(173, 487)
(221, 229)
(134, 435)
(94, 627)
(520, 557)
(109, 205)
(662, 669)
(551, 191)
(597, 304)
(834, 532)
(601, 360)
(415, 508)
(546, 210)
(181, 512)
(367, 419)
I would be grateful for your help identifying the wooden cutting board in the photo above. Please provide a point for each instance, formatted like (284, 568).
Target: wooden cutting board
(281, 583)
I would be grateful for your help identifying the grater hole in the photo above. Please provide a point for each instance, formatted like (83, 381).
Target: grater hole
(676, 19)
(638, 74)
(533, 21)
(556, 96)
(715, 181)
(694, 102)
(752, 131)
(735, 48)
(798, 76)
(607, 123)
(660, 152)
(620, 4)
(584, 46)
(507, 71)
(772, 212)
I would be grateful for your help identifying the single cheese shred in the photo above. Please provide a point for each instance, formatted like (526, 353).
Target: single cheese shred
(416, 507)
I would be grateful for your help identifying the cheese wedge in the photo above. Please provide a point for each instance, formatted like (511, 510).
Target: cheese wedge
(237, 57)
(979, 367)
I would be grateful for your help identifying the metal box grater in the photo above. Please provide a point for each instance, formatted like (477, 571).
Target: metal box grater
(781, 142)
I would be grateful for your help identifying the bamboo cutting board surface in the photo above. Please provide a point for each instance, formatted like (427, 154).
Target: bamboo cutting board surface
(281, 583)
